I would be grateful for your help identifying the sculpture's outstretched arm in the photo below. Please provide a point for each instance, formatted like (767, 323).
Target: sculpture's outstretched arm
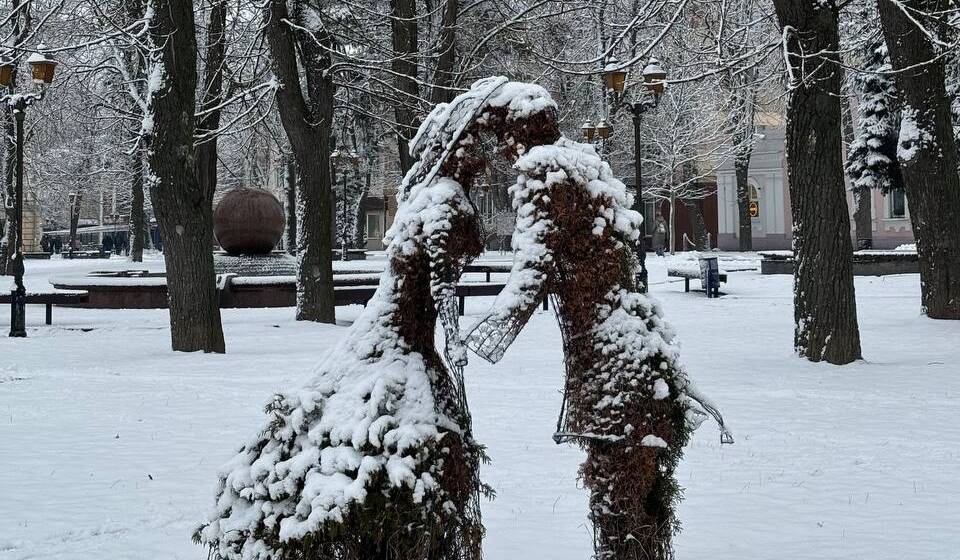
(451, 243)
(533, 267)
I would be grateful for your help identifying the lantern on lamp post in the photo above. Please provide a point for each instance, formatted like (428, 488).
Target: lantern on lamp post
(42, 66)
(604, 129)
(7, 66)
(614, 76)
(42, 71)
(588, 130)
(654, 77)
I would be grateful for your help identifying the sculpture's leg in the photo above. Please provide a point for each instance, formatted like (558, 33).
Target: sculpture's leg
(630, 502)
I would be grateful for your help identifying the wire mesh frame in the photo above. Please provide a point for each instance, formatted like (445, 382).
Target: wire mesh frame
(491, 337)
(460, 397)
(563, 433)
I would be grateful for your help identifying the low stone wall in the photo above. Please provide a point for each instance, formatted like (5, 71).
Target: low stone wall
(865, 263)
(125, 291)
(140, 289)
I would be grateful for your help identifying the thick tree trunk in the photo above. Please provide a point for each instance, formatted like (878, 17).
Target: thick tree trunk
(184, 209)
(403, 24)
(138, 216)
(930, 166)
(306, 121)
(825, 312)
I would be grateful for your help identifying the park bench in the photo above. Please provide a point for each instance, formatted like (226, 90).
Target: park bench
(708, 273)
(50, 299)
(86, 255)
(488, 269)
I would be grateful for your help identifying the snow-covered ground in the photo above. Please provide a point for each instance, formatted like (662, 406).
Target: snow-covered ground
(109, 443)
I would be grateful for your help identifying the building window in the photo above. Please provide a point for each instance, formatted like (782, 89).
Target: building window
(373, 227)
(896, 204)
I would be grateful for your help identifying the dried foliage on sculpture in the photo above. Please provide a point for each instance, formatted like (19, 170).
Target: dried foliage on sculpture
(374, 459)
(627, 399)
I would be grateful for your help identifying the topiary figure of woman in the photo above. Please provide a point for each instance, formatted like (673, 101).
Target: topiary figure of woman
(628, 401)
(374, 458)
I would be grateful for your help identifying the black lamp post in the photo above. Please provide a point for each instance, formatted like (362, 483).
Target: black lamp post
(42, 69)
(341, 159)
(614, 77)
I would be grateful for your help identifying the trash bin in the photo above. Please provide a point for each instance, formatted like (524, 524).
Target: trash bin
(710, 276)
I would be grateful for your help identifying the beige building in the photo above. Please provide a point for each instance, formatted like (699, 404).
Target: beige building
(770, 195)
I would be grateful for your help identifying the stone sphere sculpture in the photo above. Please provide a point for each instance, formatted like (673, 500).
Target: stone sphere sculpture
(248, 222)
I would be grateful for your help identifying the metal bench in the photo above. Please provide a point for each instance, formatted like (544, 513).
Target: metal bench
(49, 300)
(488, 269)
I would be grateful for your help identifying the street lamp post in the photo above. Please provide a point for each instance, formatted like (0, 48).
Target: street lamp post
(614, 77)
(42, 72)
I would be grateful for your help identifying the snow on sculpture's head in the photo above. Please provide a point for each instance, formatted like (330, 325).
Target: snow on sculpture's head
(518, 114)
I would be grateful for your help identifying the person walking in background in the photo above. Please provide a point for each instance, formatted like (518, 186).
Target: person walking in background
(660, 235)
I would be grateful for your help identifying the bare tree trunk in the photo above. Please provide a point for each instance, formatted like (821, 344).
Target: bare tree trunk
(862, 214)
(403, 24)
(743, 142)
(930, 168)
(9, 210)
(138, 216)
(20, 28)
(183, 207)
(825, 312)
(863, 218)
(697, 224)
(212, 95)
(307, 120)
(138, 219)
(741, 168)
(442, 90)
(75, 205)
(290, 188)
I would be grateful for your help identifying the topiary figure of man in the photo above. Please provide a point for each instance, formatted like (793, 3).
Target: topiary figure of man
(628, 401)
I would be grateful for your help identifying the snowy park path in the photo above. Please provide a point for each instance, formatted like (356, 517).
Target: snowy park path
(109, 443)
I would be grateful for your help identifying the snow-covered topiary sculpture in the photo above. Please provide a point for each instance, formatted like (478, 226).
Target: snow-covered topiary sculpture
(374, 458)
(627, 399)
